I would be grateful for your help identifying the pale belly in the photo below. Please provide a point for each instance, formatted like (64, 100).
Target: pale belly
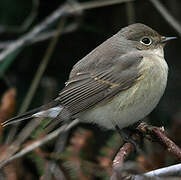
(131, 105)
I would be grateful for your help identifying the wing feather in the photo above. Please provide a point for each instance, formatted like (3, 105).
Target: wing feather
(86, 89)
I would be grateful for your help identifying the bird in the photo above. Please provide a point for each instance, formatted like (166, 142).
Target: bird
(116, 85)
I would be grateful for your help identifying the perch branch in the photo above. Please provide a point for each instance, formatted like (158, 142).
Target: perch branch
(123, 153)
(161, 137)
(119, 159)
(157, 134)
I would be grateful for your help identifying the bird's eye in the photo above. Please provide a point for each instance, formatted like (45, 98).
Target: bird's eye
(146, 41)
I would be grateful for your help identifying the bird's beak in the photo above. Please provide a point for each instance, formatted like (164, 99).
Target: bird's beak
(166, 39)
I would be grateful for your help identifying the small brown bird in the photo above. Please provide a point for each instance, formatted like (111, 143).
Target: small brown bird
(116, 85)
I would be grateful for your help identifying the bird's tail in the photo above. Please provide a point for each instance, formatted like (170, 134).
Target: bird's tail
(51, 109)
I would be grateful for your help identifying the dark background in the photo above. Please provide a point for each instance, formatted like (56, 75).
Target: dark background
(95, 26)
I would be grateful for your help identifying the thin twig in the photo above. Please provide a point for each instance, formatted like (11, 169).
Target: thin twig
(64, 10)
(57, 172)
(43, 35)
(97, 4)
(41, 69)
(161, 137)
(52, 168)
(46, 35)
(40, 142)
(36, 30)
(130, 12)
(53, 171)
(167, 16)
(22, 136)
(37, 78)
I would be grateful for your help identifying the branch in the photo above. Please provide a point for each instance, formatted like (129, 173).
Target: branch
(52, 169)
(42, 36)
(37, 77)
(174, 170)
(118, 161)
(40, 142)
(65, 10)
(123, 154)
(36, 30)
(22, 136)
(161, 137)
(130, 12)
(97, 4)
(41, 69)
(167, 16)
(155, 133)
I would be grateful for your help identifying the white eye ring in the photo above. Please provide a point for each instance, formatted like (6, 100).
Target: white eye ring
(146, 41)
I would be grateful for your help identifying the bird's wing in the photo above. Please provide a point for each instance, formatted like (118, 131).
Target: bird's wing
(87, 88)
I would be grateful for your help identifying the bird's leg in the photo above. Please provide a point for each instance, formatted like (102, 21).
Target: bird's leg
(127, 135)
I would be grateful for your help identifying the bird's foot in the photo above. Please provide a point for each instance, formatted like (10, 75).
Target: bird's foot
(130, 135)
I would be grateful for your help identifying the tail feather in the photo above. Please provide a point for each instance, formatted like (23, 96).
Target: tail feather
(42, 111)
(14, 120)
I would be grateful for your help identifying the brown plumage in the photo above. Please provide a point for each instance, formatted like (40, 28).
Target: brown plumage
(115, 69)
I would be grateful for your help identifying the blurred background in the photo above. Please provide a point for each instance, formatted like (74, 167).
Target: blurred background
(88, 151)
